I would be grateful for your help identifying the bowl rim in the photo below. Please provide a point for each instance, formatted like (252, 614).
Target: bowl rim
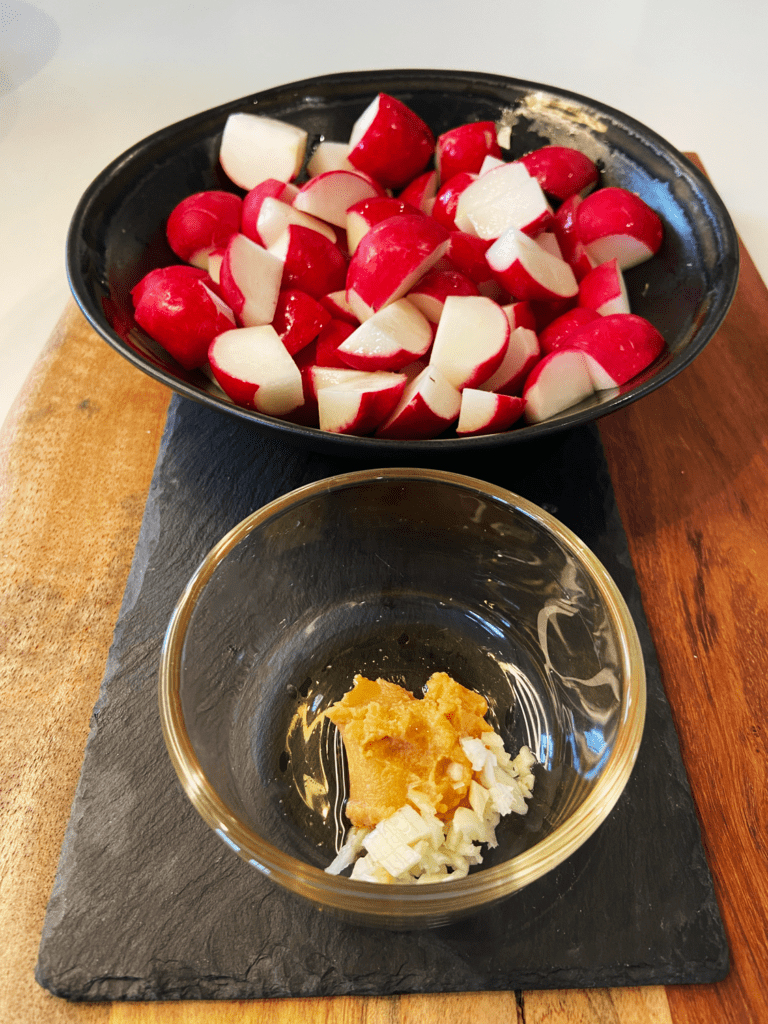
(408, 903)
(719, 300)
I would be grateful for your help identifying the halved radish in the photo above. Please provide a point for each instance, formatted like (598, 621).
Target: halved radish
(558, 333)
(390, 259)
(390, 339)
(359, 403)
(483, 412)
(310, 261)
(203, 223)
(616, 222)
(390, 142)
(562, 171)
(254, 147)
(250, 280)
(527, 271)
(557, 382)
(603, 289)
(329, 195)
(362, 216)
(572, 249)
(428, 405)
(465, 147)
(253, 367)
(471, 339)
(617, 347)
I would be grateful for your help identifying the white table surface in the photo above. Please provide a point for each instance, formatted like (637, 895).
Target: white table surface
(81, 81)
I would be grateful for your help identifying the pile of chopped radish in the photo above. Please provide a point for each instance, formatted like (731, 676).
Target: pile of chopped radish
(413, 845)
(409, 285)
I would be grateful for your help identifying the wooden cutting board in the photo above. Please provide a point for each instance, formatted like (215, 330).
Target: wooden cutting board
(690, 471)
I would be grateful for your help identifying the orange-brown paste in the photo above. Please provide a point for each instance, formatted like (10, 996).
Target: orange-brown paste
(395, 741)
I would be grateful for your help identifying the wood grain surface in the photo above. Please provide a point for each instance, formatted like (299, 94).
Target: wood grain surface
(690, 470)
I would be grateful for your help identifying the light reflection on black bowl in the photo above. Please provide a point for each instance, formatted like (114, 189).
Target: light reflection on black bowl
(118, 230)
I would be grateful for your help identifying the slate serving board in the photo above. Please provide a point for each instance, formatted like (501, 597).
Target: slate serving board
(149, 904)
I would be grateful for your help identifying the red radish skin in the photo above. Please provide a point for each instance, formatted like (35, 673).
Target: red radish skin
(362, 216)
(522, 353)
(558, 333)
(573, 251)
(558, 381)
(202, 223)
(483, 412)
(271, 188)
(250, 279)
(327, 343)
(389, 340)
(603, 289)
(562, 171)
(181, 313)
(254, 147)
(520, 314)
(527, 271)
(617, 347)
(465, 147)
(447, 199)
(428, 406)
(328, 196)
(252, 366)
(358, 405)
(390, 259)
(433, 289)
(421, 192)
(298, 319)
(471, 340)
(614, 222)
(390, 142)
(310, 261)
(337, 305)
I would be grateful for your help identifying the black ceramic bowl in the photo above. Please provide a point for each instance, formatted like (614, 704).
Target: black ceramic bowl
(118, 230)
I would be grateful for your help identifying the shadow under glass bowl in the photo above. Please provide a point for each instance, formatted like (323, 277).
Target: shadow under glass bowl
(117, 232)
(397, 573)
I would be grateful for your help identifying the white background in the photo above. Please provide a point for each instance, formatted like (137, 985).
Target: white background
(82, 80)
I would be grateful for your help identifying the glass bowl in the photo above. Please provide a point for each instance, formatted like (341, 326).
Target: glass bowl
(397, 573)
(117, 233)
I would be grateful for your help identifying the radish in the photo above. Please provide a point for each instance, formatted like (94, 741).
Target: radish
(175, 306)
(429, 294)
(527, 271)
(254, 147)
(329, 195)
(549, 243)
(203, 223)
(310, 261)
(616, 222)
(483, 412)
(390, 339)
(603, 289)
(421, 192)
(428, 405)
(328, 340)
(362, 216)
(270, 188)
(471, 340)
(504, 197)
(617, 347)
(521, 355)
(464, 148)
(561, 171)
(298, 319)
(466, 253)
(390, 142)
(252, 366)
(329, 156)
(558, 381)
(447, 198)
(390, 258)
(558, 333)
(337, 305)
(275, 216)
(250, 281)
(520, 314)
(359, 403)
(572, 249)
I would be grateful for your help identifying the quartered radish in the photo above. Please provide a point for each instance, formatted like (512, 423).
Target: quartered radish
(254, 147)
(390, 142)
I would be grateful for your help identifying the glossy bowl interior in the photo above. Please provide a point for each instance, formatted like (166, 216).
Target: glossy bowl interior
(118, 230)
(397, 573)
